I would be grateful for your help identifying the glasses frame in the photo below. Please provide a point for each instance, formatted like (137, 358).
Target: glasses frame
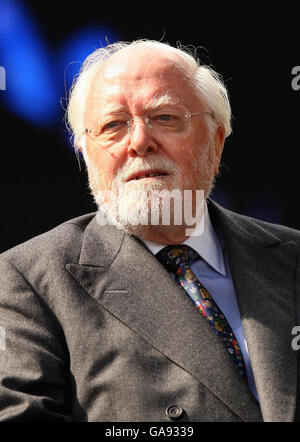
(188, 117)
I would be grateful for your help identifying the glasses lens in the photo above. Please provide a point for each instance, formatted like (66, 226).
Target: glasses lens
(170, 119)
(110, 125)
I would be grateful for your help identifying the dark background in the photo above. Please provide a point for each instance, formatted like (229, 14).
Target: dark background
(254, 50)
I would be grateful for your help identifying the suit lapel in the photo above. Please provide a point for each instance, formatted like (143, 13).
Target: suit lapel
(263, 270)
(127, 280)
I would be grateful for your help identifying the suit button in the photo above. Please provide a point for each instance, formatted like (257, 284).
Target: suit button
(174, 412)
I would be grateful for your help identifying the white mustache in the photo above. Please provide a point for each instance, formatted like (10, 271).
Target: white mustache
(140, 165)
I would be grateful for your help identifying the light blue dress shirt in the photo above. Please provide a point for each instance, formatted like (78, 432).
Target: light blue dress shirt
(213, 270)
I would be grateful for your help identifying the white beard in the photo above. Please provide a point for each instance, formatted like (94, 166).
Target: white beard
(130, 205)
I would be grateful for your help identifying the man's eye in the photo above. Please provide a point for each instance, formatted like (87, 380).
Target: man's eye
(113, 126)
(165, 117)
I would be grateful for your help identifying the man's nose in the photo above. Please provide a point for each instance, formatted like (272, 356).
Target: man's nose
(142, 142)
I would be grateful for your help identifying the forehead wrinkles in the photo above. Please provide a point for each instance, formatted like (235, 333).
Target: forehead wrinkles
(113, 98)
(117, 82)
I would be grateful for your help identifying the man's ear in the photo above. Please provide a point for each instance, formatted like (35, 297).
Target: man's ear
(219, 140)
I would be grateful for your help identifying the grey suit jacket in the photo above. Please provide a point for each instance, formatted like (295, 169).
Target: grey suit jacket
(96, 329)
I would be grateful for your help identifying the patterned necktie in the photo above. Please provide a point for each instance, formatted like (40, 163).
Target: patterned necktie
(177, 260)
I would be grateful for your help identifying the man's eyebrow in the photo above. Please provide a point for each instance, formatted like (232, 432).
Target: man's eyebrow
(114, 108)
(154, 103)
(161, 100)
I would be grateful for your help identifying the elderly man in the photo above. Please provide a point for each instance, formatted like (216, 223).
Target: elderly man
(124, 316)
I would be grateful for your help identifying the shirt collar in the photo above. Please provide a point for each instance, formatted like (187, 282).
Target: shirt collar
(204, 241)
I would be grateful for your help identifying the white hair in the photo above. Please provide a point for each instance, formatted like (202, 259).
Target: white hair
(205, 81)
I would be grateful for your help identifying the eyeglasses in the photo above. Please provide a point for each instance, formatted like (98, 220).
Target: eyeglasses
(114, 127)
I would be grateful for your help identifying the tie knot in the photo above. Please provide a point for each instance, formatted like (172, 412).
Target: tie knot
(173, 256)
